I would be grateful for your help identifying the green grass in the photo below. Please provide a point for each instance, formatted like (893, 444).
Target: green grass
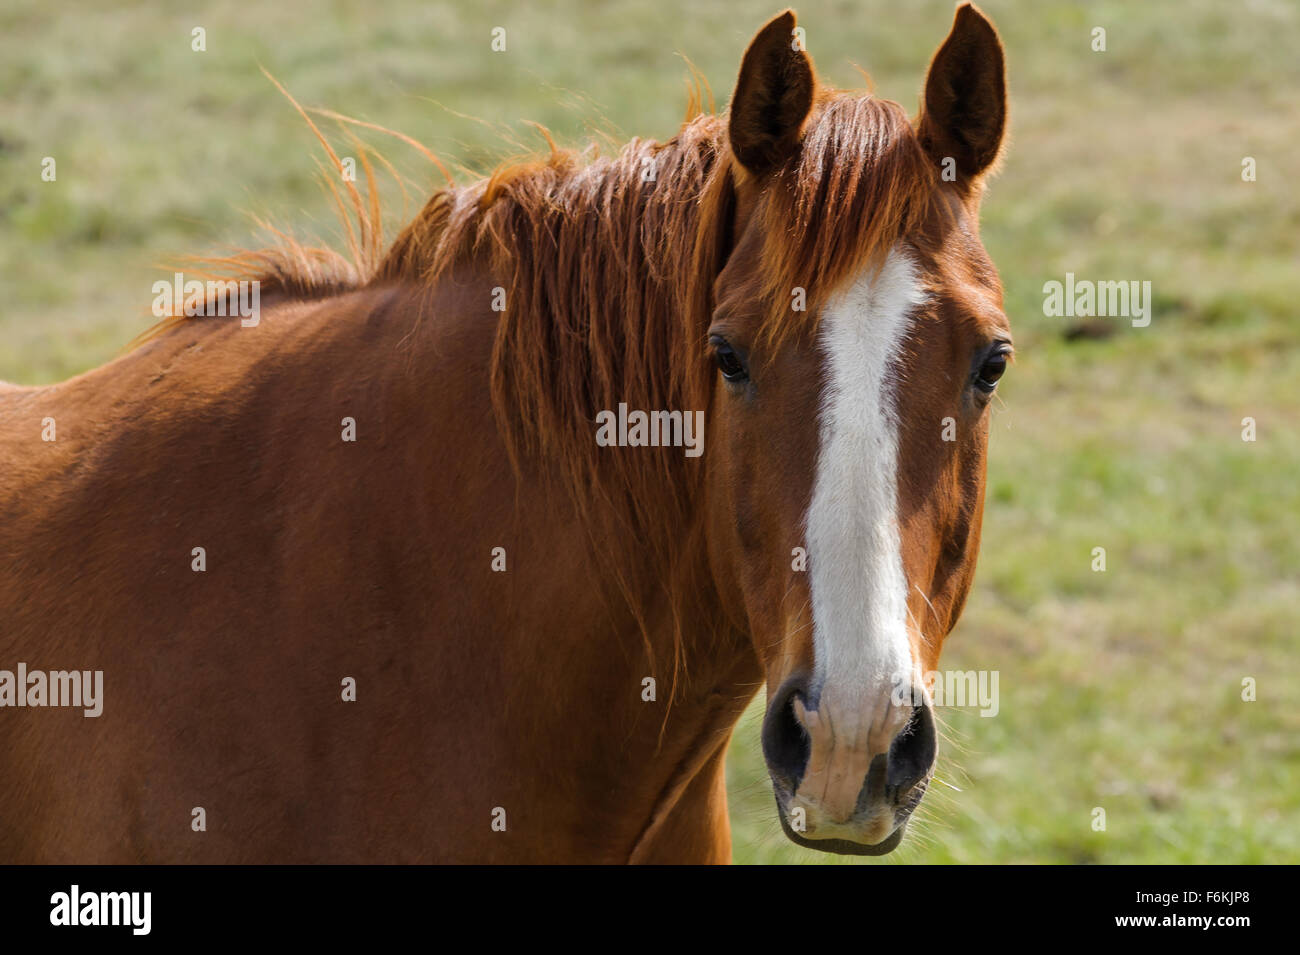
(1120, 689)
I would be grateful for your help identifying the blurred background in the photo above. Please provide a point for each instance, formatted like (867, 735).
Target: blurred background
(1120, 690)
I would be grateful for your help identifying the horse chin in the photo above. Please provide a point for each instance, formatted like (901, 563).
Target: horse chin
(843, 847)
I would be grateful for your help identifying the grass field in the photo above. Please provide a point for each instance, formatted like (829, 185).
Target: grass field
(1120, 689)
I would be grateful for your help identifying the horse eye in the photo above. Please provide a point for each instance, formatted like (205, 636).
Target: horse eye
(729, 363)
(994, 367)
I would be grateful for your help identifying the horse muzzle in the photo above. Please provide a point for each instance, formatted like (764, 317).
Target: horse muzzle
(847, 772)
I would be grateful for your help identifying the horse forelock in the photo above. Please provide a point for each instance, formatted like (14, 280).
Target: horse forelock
(859, 183)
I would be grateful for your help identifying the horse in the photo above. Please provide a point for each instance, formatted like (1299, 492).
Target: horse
(473, 548)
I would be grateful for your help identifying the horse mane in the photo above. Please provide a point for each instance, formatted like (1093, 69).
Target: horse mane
(608, 270)
(608, 265)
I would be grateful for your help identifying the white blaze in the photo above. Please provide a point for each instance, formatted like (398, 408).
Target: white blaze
(859, 589)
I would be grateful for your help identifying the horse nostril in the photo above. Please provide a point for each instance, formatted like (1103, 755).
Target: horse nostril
(912, 752)
(785, 741)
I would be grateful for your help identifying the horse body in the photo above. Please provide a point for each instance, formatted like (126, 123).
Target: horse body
(395, 482)
(324, 559)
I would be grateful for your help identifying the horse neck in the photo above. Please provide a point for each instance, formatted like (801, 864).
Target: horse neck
(598, 308)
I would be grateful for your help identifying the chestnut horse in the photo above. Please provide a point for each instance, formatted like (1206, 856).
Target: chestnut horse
(438, 561)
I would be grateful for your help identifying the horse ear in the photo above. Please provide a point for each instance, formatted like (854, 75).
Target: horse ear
(773, 96)
(964, 114)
